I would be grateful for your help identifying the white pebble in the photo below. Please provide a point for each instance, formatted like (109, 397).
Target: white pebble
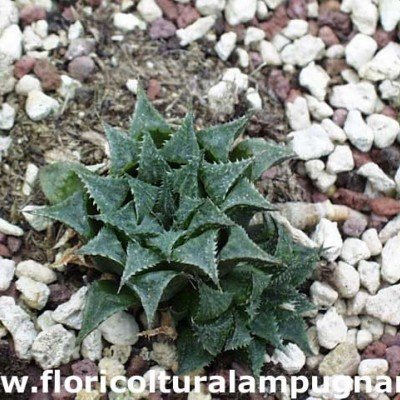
(389, 11)
(36, 271)
(295, 29)
(11, 43)
(327, 236)
(291, 358)
(376, 177)
(331, 329)
(354, 250)
(253, 35)
(34, 294)
(196, 30)
(340, 160)
(319, 110)
(360, 50)
(373, 367)
(128, 22)
(7, 117)
(254, 99)
(7, 270)
(346, 280)
(297, 113)
(336, 133)
(226, 45)
(364, 338)
(210, 7)
(304, 50)
(371, 238)
(10, 229)
(26, 84)
(322, 294)
(315, 79)
(385, 130)
(39, 106)
(369, 275)
(269, 54)
(391, 260)
(358, 132)
(121, 329)
(238, 11)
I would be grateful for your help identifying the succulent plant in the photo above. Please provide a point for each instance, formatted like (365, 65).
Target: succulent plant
(175, 220)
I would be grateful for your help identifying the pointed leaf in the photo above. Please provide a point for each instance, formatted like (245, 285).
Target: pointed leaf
(213, 335)
(293, 328)
(245, 194)
(124, 151)
(219, 178)
(72, 212)
(218, 140)
(124, 219)
(209, 216)
(138, 259)
(150, 288)
(200, 252)
(266, 154)
(145, 197)
(185, 180)
(241, 336)
(103, 300)
(105, 244)
(147, 119)
(256, 353)
(166, 205)
(241, 247)
(266, 327)
(59, 181)
(212, 303)
(187, 207)
(165, 242)
(192, 356)
(182, 146)
(107, 193)
(152, 166)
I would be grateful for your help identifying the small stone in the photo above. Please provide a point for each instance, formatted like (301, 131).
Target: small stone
(355, 96)
(369, 275)
(385, 304)
(187, 16)
(45, 320)
(237, 11)
(81, 68)
(128, 22)
(331, 329)
(9, 14)
(110, 368)
(269, 54)
(389, 11)
(253, 35)
(7, 116)
(297, 114)
(393, 358)
(346, 280)
(343, 360)
(356, 305)
(335, 132)
(314, 168)
(391, 260)
(24, 66)
(36, 271)
(210, 7)
(385, 206)
(51, 42)
(10, 229)
(322, 294)
(315, 79)
(243, 57)
(239, 79)
(70, 313)
(39, 106)
(364, 338)
(391, 229)
(328, 36)
(68, 87)
(370, 237)
(225, 45)
(132, 85)
(121, 329)
(48, 75)
(360, 50)
(354, 227)
(340, 160)
(162, 29)
(373, 367)
(377, 178)
(311, 143)
(221, 98)
(364, 15)
(20, 326)
(11, 43)
(195, 31)
(327, 236)
(26, 84)
(53, 347)
(254, 99)
(165, 355)
(325, 181)
(375, 350)
(319, 110)
(295, 29)
(358, 132)
(7, 270)
(149, 10)
(80, 47)
(385, 64)
(291, 358)
(385, 130)
(354, 250)
(302, 51)
(34, 294)
(92, 346)
(279, 84)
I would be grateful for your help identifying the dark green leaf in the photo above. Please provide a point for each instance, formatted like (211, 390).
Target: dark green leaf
(241, 336)
(293, 328)
(266, 326)
(256, 354)
(103, 300)
(145, 197)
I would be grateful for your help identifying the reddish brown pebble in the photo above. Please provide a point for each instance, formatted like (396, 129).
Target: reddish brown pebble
(390, 112)
(360, 158)
(279, 84)
(318, 197)
(3, 238)
(14, 244)
(59, 294)
(391, 340)
(337, 20)
(334, 66)
(154, 89)
(68, 14)
(297, 9)
(354, 227)
(137, 366)
(339, 116)
(169, 9)
(84, 368)
(276, 23)
(48, 75)
(383, 38)
(32, 13)
(162, 29)
(11, 292)
(4, 251)
(187, 15)
(81, 68)
(385, 206)
(393, 358)
(328, 36)
(375, 350)
(23, 66)
(355, 200)
(377, 221)
(313, 28)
